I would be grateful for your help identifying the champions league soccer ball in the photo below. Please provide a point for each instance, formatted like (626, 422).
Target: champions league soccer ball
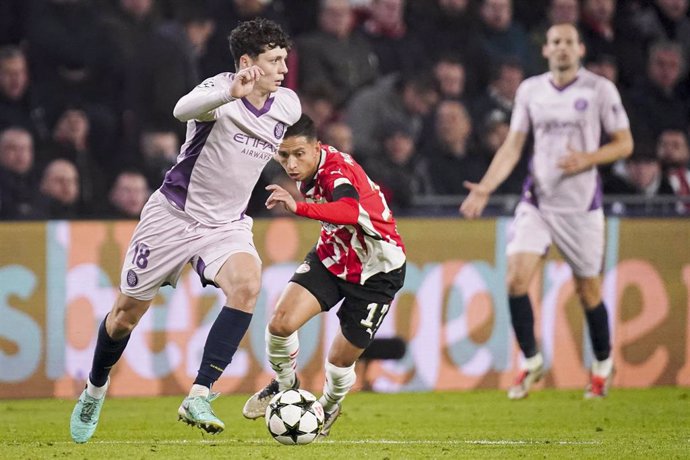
(294, 417)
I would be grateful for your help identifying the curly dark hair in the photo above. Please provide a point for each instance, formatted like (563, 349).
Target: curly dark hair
(255, 37)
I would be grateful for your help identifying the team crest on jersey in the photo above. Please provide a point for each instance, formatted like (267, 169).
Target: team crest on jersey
(132, 278)
(304, 268)
(279, 130)
(581, 104)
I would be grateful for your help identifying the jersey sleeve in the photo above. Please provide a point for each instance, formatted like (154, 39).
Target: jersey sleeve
(293, 106)
(520, 121)
(201, 102)
(341, 208)
(612, 113)
(344, 211)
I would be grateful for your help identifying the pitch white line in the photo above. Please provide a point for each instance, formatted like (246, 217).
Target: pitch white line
(487, 442)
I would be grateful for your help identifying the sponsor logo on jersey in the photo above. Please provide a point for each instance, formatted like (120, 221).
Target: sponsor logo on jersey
(208, 83)
(279, 130)
(304, 268)
(132, 278)
(581, 104)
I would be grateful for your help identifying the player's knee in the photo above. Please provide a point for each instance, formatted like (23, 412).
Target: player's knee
(518, 284)
(589, 298)
(589, 294)
(242, 289)
(280, 325)
(280, 329)
(341, 361)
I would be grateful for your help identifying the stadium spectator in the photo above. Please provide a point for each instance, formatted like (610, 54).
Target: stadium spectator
(491, 136)
(18, 104)
(397, 98)
(396, 48)
(335, 56)
(147, 52)
(158, 150)
(352, 216)
(496, 103)
(14, 16)
(451, 154)
(18, 179)
(450, 27)
(674, 154)
(401, 173)
(605, 66)
(665, 20)
(502, 37)
(339, 135)
(656, 102)
(128, 195)
(639, 174)
(71, 140)
(191, 31)
(603, 33)
(302, 16)
(319, 103)
(72, 57)
(59, 191)
(565, 110)
(450, 76)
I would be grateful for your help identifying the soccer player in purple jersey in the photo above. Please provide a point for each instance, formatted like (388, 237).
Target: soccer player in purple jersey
(235, 123)
(561, 202)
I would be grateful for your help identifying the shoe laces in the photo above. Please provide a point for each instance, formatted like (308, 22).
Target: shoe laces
(87, 409)
(200, 406)
(269, 390)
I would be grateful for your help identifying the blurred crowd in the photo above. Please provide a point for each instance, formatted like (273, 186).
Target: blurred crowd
(419, 91)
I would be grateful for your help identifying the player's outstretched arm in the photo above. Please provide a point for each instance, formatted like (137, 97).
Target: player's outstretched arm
(501, 166)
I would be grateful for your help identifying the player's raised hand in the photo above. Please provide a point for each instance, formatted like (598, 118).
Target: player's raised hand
(280, 195)
(575, 162)
(244, 81)
(476, 201)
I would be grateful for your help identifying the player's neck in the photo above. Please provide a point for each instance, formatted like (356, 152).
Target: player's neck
(563, 78)
(257, 99)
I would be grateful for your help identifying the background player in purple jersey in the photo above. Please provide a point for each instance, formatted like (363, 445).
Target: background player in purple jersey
(561, 203)
(234, 124)
(359, 257)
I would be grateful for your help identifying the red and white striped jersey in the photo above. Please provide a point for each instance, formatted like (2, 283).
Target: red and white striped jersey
(354, 252)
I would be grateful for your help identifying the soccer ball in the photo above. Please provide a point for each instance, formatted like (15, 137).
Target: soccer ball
(294, 417)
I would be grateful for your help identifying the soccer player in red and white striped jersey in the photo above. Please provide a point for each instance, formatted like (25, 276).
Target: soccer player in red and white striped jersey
(359, 257)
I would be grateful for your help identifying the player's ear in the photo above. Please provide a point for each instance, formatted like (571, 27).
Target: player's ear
(245, 61)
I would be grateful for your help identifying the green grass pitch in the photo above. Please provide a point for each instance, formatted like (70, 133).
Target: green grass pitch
(648, 423)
